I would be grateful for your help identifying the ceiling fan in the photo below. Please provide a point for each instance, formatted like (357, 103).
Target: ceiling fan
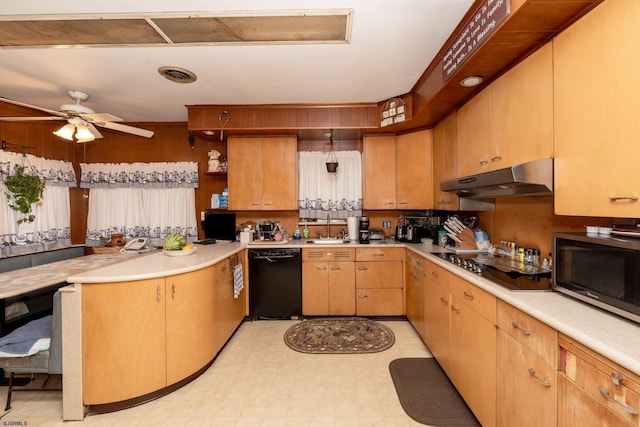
(81, 120)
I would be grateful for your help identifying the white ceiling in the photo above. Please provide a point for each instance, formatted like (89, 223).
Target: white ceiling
(392, 43)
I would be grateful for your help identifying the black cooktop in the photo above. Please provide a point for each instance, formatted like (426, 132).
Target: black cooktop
(511, 274)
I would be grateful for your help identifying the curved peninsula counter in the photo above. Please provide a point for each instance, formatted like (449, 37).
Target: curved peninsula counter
(141, 328)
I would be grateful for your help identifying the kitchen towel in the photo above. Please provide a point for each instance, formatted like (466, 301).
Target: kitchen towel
(238, 282)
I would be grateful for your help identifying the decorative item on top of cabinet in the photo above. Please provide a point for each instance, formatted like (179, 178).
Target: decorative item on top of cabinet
(262, 173)
(593, 391)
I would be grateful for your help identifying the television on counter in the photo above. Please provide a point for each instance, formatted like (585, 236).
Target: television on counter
(219, 225)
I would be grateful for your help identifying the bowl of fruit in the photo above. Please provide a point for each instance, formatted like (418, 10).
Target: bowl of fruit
(176, 245)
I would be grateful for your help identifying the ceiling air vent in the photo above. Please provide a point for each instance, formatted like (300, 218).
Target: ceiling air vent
(178, 75)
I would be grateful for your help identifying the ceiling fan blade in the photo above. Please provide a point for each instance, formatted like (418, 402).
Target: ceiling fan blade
(100, 117)
(126, 128)
(30, 119)
(22, 104)
(94, 131)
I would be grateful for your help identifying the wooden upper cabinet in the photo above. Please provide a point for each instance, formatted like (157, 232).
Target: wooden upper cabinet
(511, 121)
(262, 173)
(414, 170)
(397, 171)
(596, 119)
(445, 162)
(379, 172)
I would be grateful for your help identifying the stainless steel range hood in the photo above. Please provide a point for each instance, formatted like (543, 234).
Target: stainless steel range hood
(533, 178)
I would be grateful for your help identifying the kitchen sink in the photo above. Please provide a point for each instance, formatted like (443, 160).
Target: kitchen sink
(328, 241)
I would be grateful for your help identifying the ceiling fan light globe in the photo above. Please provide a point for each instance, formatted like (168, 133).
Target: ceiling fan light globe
(66, 132)
(83, 134)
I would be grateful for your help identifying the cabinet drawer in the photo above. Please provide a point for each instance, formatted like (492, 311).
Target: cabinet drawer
(379, 302)
(328, 254)
(379, 254)
(603, 380)
(533, 334)
(479, 300)
(438, 274)
(370, 274)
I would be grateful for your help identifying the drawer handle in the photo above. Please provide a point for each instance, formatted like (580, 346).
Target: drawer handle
(618, 198)
(434, 274)
(158, 293)
(629, 409)
(378, 254)
(362, 268)
(321, 268)
(496, 158)
(173, 291)
(444, 300)
(363, 296)
(335, 268)
(483, 162)
(455, 308)
(469, 295)
(524, 331)
(543, 382)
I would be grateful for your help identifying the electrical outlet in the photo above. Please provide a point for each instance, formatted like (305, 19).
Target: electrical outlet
(386, 224)
(202, 216)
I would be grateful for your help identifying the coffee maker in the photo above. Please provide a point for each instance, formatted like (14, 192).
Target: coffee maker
(363, 231)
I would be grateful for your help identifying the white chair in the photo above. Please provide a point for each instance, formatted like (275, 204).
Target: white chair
(44, 362)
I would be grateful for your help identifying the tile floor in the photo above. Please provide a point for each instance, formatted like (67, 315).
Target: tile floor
(258, 381)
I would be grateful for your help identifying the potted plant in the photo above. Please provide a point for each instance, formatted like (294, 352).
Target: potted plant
(23, 191)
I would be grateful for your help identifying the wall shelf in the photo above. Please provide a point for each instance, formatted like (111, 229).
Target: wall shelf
(216, 173)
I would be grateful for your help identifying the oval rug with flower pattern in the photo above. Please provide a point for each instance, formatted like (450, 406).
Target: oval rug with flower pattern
(343, 335)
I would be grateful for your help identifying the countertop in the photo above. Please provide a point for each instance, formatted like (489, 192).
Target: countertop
(612, 336)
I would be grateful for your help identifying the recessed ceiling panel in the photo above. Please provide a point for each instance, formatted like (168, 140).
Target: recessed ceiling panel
(77, 32)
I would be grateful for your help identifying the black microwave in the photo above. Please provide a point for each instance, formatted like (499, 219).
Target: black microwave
(601, 270)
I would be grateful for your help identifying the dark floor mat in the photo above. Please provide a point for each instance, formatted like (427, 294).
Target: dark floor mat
(427, 395)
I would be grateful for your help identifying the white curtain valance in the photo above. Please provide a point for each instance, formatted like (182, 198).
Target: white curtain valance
(148, 175)
(321, 193)
(53, 172)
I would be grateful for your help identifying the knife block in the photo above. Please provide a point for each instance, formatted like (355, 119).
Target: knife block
(467, 238)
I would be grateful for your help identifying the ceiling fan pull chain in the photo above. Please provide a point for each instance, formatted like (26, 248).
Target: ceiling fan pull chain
(226, 114)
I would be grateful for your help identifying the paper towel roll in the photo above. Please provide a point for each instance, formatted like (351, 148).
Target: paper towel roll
(353, 222)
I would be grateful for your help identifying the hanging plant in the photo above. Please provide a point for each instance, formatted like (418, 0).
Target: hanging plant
(23, 191)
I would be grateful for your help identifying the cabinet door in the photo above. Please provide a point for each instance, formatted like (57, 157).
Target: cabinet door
(245, 173)
(383, 274)
(229, 311)
(474, 142)
(527, 392)
(521, 112)
(445, 162)
(436, 322)
(279, 174)
(414, 161)
(379, 174)
(473, 357)
(191, 340)
(596, 119)
(123, 344)
(577, 409)
(379, 302)
(342, 292)
(315, 288)
(414, 295)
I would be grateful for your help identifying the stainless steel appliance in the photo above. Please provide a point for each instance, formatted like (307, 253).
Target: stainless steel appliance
(364, 230)
(601, 270)
(415, 228)
(275, 277)
(511, 274)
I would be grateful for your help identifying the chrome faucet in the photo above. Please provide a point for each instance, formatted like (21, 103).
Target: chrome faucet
(328, 225)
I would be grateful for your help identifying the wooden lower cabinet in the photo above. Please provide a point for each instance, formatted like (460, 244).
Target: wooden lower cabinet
(472, 367)
(414, 291)
(379, 282)
(123, 340)
(141, 336)
(328, 282)
(594, 391)
(190, 322)
(527, 360)
(229, 311)
(437, 313)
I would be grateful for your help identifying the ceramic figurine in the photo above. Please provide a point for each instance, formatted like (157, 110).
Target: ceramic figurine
(214, 163)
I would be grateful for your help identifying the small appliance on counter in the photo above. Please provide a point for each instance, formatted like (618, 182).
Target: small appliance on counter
(265, 229)
(364, 230)
(412, 229)
(376, 235)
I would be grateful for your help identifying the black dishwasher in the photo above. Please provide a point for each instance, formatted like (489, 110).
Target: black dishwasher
(275, 283)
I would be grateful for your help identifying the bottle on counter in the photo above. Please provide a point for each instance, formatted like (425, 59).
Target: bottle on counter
(296, 233)
(305, 232)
